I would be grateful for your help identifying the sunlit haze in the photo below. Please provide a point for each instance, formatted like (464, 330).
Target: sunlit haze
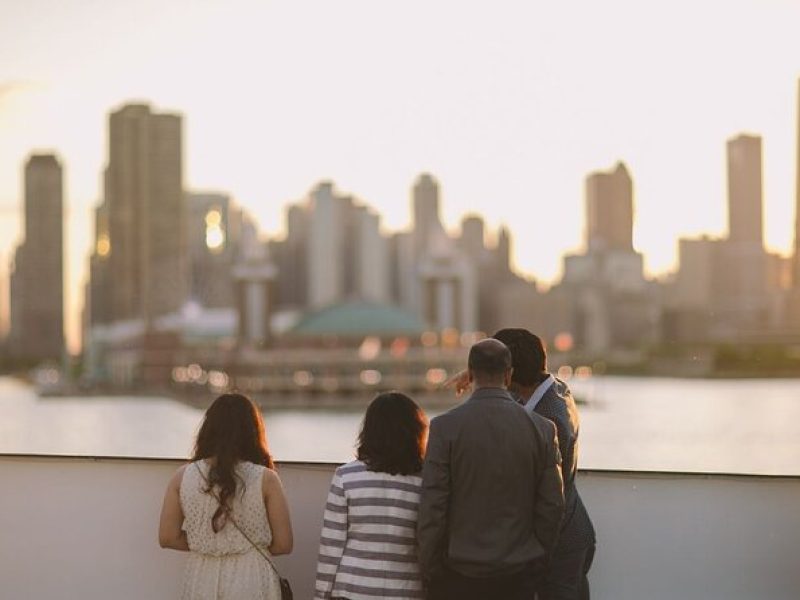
(508, 104)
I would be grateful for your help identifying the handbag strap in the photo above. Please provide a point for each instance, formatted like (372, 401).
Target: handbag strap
(258, 548)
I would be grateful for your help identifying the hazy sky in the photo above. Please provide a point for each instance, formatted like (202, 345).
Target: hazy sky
(509, 104)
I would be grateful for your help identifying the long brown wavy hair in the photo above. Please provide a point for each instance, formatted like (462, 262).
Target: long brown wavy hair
(232, 431)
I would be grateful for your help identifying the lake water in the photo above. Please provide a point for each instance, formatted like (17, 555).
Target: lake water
(629, 423)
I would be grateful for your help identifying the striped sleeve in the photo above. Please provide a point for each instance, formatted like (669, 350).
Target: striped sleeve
(334, 535)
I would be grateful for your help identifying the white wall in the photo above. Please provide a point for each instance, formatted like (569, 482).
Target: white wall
(694, 537)
(86, 528)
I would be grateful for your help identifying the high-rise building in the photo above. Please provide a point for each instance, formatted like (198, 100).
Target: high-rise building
(373, 277)
(348, 257)
(723, 289)
(99, 288)
(698, 281)
(404, 268)
(37, 278)
(609, 210)
(214, 228)
(294, 262)
(473, 233)
(503, 250)
(449, 291)
(325, 244)
(146, 214)
(796, 258)
(604, 301)
(351, 243)
(745, 221)
(16, 297)
(427, 226)
(726, 288)
(254, 275)
(743, 301)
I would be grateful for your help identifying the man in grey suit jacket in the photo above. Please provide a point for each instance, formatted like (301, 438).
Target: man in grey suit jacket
(492, 497)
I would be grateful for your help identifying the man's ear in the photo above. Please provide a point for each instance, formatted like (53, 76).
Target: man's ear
(509, 374)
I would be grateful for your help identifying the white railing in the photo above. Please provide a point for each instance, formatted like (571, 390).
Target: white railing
(85, 528)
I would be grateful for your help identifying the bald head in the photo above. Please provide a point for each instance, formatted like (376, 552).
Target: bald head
(489, 364)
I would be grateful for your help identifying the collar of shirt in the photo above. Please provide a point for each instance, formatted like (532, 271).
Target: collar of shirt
(540, 391)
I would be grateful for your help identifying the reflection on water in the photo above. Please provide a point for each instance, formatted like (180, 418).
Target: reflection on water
(737, 426)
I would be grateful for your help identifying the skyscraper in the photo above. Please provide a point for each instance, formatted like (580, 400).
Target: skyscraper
(214, 227)
(294, 277)
(348, 257)
(373, 277)
(99, 289)
(473, 233)
(609, 210)
(255, 276)
(146, 214)
(796, 258)
(449, 291)
(427, 222)
(326, 243)
(603, 300)
(503, 251)
(745, 222)
(37, 280)
(404, 269)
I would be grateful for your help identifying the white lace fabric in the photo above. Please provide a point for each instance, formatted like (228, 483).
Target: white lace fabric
(223, 565)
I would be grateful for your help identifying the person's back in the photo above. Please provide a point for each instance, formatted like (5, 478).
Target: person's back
(227, 508)
(368, 548)
(368, 544)
(225, 559)
(495, 475)
(492, 498)
(247, 509)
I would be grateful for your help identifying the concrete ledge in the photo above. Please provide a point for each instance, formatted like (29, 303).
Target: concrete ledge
(85, 527)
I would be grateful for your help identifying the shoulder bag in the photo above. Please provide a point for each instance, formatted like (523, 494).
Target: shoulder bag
(286, 589)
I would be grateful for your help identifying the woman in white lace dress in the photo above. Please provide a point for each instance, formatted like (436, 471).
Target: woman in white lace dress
(228, 493)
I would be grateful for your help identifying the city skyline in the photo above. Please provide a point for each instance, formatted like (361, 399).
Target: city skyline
(507, 109)
(335, 264)
(428, 214)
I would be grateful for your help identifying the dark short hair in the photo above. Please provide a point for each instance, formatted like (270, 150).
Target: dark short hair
(489, 358)
(393, 435)
(527, 353)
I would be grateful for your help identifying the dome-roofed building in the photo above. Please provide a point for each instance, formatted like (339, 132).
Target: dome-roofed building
(355, 320)
(352, 348)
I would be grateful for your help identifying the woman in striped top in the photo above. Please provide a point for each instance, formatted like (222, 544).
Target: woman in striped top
(368, 547)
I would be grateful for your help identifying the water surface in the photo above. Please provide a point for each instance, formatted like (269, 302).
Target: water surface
(630, 423)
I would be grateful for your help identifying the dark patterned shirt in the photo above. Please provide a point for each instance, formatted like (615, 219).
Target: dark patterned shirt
(558, 405)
